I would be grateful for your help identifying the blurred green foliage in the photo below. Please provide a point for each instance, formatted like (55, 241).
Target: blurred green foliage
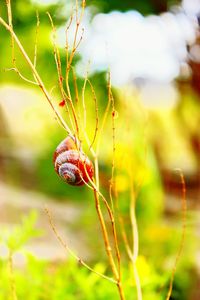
(21, 234)
(158, 242)
(56, 282)
(24, 23)
(40, 280)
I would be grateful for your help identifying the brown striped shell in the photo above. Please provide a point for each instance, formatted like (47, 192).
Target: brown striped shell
(71, 164)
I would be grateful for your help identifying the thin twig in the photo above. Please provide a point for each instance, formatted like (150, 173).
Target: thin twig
(78, 115)
(114, 232)
(108, 246)
(75, 44)
(105, 235)
(83, 104)
(111, 99)
(184, 211)
(36, 38)
(60, 77)
(66, 41)
(69, 59)
(9, 11)
(96, 113)
(125, 238)
(78, 259)
(37, 76)
(11, 275)
(103, 123)
(22, 76)
(135, 238)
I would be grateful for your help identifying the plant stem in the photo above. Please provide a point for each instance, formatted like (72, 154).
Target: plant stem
(135, 253)
(12, 280)
(107, 245)
(37, 76)
(65, 246)
(137, 282)
(184, 212)
(105, 235)
(135, 240)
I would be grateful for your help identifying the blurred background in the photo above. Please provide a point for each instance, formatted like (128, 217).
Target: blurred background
(152, 49)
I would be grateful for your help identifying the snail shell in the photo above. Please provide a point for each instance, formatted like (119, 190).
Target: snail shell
(71, 164)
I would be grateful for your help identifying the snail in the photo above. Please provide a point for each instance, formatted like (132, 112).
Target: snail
(71, 164)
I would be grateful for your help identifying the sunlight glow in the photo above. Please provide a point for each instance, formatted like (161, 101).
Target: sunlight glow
(134, 46)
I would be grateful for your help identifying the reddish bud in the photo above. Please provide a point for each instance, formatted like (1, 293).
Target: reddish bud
(62, 103)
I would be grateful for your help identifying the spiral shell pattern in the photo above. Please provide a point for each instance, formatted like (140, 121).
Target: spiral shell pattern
(71, 164)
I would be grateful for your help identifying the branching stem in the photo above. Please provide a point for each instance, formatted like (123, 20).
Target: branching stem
(36, 75)
(59, 238)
